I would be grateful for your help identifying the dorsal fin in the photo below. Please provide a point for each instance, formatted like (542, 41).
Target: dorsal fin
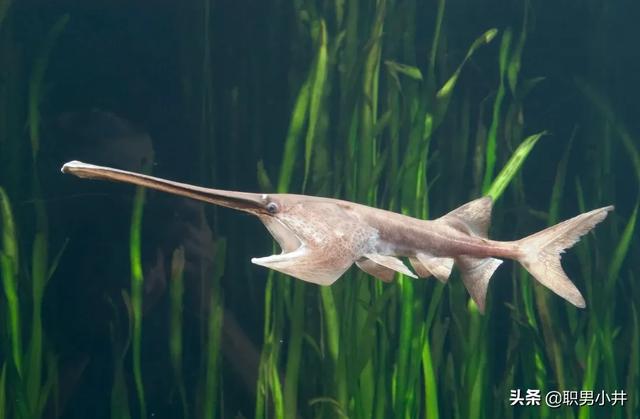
(391, 263)
(475, 215)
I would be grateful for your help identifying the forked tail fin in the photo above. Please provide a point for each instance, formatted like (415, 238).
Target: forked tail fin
(540, 252)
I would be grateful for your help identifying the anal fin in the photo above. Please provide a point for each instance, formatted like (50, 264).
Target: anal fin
(476, 274)
(439, 267)
(390, 262)
(420, 269)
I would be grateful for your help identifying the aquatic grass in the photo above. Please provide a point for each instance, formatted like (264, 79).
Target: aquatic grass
(9, 263)
(622, 249)
(405, 332)
(605, 327)
(3, 391)
(431, 410)
(555, 203)
(590, 374)
(558, 190)
(294, 349)
(34, 356)
(367, 107)
(298, 118)
(35, 375)
(268, 387)
(606, 111)
(36, 81)
(602, 356)
(435, 43)
(119, 403)
(510, 169)
(137, 286)
(211, 386)
(317, 83)
(446, 91)
(176, 307)
(42, 266)
(492, 140)
(633, 370)
(120, 344)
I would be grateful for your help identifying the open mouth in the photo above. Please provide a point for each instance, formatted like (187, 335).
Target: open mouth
(305, 261)
(289, 242)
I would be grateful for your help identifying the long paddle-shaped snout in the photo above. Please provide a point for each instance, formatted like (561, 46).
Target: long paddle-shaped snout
(244, 201)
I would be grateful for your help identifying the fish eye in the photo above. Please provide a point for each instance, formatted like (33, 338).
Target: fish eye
(272, 207)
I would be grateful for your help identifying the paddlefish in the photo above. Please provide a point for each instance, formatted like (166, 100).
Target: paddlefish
(321, 238)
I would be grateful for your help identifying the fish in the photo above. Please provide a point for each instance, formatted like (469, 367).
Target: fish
(321, 238)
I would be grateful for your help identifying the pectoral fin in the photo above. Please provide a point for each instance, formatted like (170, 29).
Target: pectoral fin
(390, 262)
(439, 267)
(311, 265)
